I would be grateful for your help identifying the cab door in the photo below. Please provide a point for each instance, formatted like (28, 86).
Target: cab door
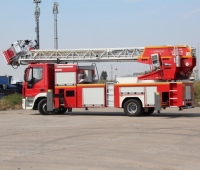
(34, 81)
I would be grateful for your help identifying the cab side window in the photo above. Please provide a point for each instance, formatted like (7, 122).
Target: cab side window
(35, 75)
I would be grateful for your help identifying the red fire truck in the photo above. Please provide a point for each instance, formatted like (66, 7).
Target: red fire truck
(55, 82)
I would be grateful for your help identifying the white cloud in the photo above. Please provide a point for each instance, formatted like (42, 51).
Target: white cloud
(190, 14)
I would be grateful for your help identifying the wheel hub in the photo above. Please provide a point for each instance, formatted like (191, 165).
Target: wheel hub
(132, 108)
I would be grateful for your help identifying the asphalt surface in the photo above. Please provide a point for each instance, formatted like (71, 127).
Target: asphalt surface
(100, 139)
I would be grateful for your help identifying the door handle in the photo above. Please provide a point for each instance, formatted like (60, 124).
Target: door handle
(41, 90)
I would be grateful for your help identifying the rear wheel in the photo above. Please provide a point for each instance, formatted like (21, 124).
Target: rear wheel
(133, 107)
(42, 107)
(150, 111)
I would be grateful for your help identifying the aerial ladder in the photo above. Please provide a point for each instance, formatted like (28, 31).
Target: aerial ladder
(167, 63)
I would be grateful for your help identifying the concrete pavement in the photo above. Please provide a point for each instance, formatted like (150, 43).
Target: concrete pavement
(100, 139)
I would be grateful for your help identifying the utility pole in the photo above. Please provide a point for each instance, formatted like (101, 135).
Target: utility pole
(198, 63)
(37, 15)
(55, 12)
(111, 73)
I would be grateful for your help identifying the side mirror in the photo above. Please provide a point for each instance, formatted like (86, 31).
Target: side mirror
(25, 76)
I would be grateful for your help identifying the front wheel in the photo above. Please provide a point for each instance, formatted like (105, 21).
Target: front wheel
(42, 107)
(133, 107)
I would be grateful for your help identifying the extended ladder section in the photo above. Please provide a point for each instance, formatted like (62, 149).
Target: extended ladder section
(84, 55)
(19, 53)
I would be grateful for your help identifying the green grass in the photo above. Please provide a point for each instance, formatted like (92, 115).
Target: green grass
(12, 101)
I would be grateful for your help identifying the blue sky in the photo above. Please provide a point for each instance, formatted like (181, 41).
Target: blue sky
(101, 24)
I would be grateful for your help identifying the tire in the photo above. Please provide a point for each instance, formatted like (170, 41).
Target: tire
(133, 107)
(42, 107)
(150, 111)
(60, 111)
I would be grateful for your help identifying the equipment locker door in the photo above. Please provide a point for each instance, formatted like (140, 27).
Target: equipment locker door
(70, 96)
